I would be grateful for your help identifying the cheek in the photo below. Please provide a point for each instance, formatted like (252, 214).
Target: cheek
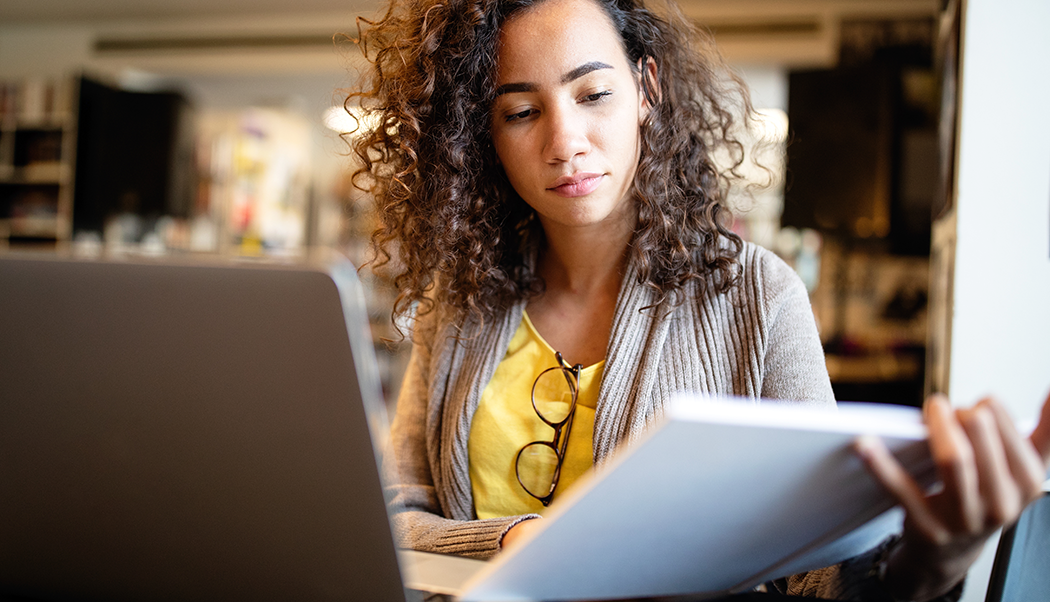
(622, 139)
(513, 152)
(508, 145)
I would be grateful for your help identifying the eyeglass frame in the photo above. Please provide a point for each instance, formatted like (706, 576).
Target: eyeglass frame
(557, 444)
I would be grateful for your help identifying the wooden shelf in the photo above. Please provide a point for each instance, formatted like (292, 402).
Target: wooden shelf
(44, 173)
(33, 227)
(55, 123)
(877, 367)
(37, 148)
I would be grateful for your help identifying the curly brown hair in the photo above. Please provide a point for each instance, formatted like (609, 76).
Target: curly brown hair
(460, 233)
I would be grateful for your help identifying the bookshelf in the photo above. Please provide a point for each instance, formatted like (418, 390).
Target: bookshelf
(37, 150)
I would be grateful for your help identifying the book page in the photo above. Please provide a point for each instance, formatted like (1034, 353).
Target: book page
(719, 497)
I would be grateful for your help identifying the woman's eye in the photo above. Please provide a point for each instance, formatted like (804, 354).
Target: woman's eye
(597, 96)
(519, 115)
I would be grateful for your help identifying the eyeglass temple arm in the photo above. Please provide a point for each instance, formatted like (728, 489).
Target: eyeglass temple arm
(563, 444)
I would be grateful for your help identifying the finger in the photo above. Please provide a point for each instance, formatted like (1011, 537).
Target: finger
(1041, 435)
(1001, 499)
(1025, 463)
(896, 480)
(952, 453)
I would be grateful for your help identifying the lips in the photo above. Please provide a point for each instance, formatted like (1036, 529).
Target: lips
(578, 184)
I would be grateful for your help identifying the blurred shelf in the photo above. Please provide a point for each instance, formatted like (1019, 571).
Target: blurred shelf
(37, 148)
(56, 173)
(51, 123)
(37, 227)
(875, 367)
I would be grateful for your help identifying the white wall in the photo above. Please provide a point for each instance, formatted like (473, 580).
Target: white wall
(1001, 322)
(768, 83)
(48, 49)
(1001, 327)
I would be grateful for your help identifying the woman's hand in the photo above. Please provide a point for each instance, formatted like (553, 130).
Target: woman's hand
(990, 474)
(518, 531)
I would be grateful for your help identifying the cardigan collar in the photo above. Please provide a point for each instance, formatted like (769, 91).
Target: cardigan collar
(625, 403)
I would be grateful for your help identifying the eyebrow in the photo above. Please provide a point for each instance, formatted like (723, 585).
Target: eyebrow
(575, 74)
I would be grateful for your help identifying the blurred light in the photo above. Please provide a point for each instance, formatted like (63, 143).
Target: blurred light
(771, 125)
(340, 120)
(352, 121)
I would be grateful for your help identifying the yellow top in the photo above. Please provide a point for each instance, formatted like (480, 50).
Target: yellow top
(505, 422)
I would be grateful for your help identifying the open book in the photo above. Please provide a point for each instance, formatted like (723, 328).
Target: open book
(721, 496)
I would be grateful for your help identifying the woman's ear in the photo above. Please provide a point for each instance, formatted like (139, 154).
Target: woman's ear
(649, 84)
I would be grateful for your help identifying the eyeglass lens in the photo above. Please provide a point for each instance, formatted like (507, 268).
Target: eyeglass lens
(554, 399)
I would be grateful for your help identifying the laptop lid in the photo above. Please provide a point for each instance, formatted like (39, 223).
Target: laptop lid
(188, 432)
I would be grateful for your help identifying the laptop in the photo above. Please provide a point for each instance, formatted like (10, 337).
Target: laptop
(190, 431)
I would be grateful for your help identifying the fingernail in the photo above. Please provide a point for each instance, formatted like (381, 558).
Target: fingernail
(930, 401)
(937, 403)
(865, 446)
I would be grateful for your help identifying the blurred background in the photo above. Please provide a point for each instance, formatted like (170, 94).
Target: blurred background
(157, 127)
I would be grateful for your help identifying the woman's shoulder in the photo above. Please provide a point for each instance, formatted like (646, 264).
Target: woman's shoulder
(764, 283)
(760, 264)
(764, 272)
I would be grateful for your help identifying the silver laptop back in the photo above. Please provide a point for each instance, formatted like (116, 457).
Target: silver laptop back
(188, 432)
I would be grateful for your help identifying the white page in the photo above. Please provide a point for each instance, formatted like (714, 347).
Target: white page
(715, 499)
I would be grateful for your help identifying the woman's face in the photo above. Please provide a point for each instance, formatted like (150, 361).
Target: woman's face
(567, 114)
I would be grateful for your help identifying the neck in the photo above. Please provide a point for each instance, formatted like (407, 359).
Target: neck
(584, 261)
(582, 269)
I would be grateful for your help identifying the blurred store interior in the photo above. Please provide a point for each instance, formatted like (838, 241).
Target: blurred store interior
(153, 128)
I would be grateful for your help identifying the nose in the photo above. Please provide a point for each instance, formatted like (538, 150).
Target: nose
(566, 135)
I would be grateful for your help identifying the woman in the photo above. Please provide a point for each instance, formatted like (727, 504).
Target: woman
(544, 175)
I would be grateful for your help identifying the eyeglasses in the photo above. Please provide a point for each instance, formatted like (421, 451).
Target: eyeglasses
(538, 464)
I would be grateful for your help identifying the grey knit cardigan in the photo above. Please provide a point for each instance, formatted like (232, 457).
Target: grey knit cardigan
(758, 340)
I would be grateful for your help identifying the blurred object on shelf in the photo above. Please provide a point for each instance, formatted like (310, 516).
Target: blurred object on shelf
(865, 284)
(255, 182)
(134, 163)
(801, 250)
(34, 213)
(873, 321)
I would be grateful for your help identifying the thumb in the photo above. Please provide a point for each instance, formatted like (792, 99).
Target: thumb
(1041, 435)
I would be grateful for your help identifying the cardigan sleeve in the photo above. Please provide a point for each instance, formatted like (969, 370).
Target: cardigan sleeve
(793, 358)
(854, 580)
(418, 520)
